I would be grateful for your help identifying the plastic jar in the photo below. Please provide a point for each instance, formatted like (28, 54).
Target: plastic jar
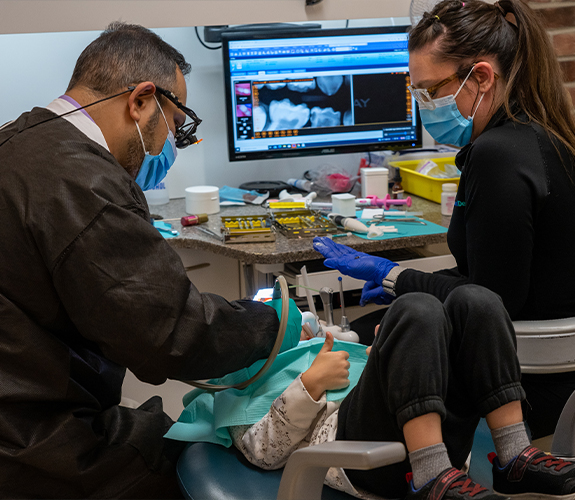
(374, 182)
(203, 200)
(158, 195)
(449, 192)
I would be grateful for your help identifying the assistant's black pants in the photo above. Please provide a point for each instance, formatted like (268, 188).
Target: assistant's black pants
(546, 394)
(457, 359)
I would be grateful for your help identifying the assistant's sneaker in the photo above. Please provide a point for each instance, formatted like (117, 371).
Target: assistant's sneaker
(534, 474)
(450, 484)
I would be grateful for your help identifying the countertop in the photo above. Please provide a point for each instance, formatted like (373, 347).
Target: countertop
(284, 250)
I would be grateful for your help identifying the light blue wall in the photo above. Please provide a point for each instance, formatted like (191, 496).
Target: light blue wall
(36, 68)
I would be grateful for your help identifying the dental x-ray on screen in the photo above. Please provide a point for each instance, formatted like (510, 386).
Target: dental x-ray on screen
(318, 91)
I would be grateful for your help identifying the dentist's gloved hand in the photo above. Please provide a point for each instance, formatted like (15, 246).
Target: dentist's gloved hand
(346, 260)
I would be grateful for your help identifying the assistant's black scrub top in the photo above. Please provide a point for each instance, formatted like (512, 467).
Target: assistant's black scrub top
(513, 231)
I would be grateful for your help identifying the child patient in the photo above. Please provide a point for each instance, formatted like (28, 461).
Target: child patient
(433, 371)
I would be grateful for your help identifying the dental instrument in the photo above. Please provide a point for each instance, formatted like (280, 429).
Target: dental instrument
(349, 223)
(210, 233)
(314, 319)
(341, 235)
(388, 202)
(344, 321)
(326, 295)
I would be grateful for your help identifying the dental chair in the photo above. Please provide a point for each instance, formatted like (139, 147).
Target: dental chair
(549, 347)
(542, 347)
(209, 472)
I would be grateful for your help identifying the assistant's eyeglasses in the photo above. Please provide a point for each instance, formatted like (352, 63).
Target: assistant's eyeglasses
(424, 97)
(184, 134)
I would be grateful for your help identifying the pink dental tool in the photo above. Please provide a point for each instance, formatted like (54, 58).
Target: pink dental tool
(387, 202)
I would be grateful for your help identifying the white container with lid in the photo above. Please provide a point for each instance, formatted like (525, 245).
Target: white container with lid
(158, 195)
(449, 192)
(374, 181)
(343, 204)
(202, 200)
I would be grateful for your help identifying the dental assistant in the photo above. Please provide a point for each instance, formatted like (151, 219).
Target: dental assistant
(486, 79)
(88, 287)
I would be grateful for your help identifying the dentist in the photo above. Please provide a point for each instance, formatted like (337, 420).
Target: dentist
(89, 288)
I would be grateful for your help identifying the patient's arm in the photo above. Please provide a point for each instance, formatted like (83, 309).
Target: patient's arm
(285, 428)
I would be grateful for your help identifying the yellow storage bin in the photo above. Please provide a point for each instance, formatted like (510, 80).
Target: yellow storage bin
(423, 185)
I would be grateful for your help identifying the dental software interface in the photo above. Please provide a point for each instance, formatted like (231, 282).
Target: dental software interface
(320, 91)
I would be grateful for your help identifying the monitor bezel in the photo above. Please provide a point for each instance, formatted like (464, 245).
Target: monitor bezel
(235, 35)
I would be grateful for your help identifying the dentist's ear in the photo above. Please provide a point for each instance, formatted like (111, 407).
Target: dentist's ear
(140, 99)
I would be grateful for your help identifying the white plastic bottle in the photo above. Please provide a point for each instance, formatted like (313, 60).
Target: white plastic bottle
(302, 184)
(449, 192)
(158, 195)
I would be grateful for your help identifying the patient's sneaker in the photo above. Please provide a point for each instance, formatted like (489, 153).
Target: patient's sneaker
(450, 484)
(534, 474)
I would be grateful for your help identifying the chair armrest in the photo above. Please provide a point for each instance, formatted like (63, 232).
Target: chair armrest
(546, 346)
(564, 438)
(305, 470)
(545, 326)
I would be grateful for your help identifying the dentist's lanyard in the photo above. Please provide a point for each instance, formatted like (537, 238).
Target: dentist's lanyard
(67, 113)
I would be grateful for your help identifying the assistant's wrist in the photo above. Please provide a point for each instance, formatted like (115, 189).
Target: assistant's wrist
(388, 283)
(383, 269)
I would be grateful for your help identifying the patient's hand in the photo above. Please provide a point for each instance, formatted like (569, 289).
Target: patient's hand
(329, 370)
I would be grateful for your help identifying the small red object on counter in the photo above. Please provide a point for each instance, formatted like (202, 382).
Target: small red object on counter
(193, 220)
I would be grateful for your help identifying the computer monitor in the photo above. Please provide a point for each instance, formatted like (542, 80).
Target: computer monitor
(318, 92)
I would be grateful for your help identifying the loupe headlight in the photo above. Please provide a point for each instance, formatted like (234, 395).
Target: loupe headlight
(185, 135)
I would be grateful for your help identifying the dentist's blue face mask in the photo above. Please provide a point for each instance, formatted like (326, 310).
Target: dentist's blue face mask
(155, 167)
(445, 123)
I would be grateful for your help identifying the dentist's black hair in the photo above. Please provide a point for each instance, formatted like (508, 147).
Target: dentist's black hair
(127, 54)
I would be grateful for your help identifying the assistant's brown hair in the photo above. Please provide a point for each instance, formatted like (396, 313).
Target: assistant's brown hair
(511, 32)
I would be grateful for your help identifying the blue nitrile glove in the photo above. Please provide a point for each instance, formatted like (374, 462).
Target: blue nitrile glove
(374, 292)
(346, 260)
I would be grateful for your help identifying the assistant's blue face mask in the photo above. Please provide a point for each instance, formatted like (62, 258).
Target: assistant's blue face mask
(155, 167)
(445, 123)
